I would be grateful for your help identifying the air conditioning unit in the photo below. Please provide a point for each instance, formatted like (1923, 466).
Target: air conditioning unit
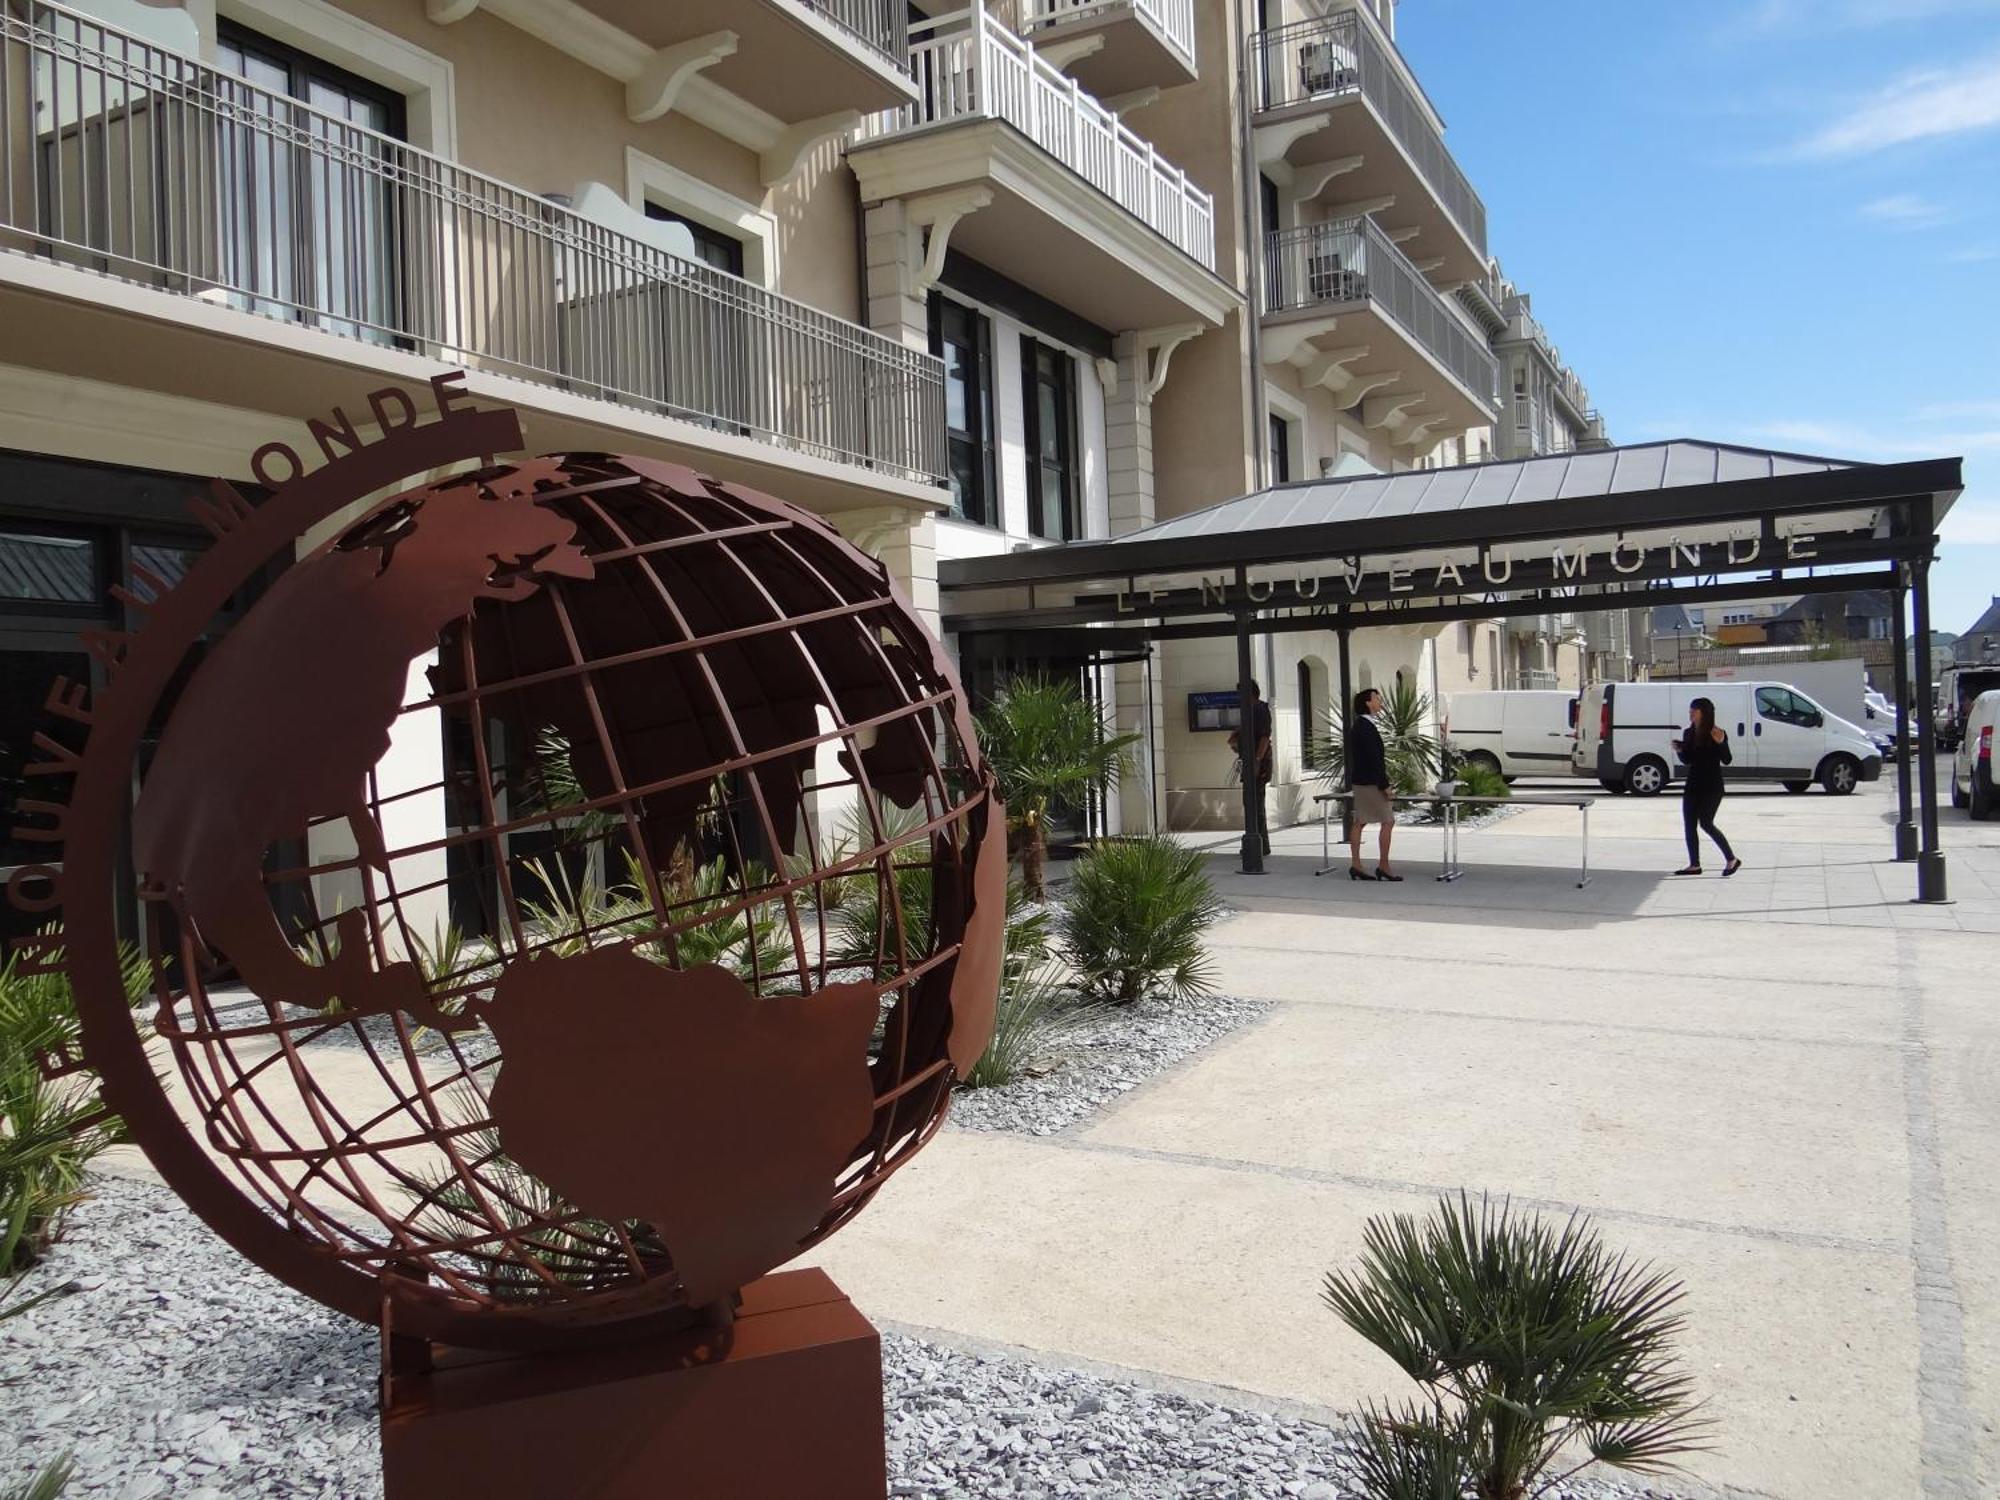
(1325, 68)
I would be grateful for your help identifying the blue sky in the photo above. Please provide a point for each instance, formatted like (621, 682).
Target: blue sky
(1773, 222)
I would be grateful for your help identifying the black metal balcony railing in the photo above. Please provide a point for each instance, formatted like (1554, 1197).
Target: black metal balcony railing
(1343, 54)
(1352, 260)
(126, 159)
(882, 24)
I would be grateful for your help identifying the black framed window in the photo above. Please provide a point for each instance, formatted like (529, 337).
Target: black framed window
(711, 246)
(1049, 405)
(1281, 449)
(308, 214)
(1267, 192)
(963, 339)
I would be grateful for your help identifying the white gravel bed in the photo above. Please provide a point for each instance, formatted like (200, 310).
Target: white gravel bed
(175, 1369)
(1108, 1051)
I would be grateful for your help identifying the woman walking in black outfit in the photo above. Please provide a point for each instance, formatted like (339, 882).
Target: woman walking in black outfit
(1705, 752)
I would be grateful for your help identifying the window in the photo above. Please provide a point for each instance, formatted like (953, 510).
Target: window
(1281, 450)
(1049, 399)
(963, 339)
(305, 202)
(1267, 192)
(1522, 408)
(711, 246)
(1783, 706)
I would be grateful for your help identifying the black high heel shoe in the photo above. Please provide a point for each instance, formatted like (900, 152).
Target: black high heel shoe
(1382, 874)
(1355, 874)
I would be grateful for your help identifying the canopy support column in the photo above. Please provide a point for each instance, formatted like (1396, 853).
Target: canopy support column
(1246, 750)
(1930, 861)
(1906, 827)
(1346, 717)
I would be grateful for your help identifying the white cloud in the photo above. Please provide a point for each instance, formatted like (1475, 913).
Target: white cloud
(1906, 211)
(1924, 105)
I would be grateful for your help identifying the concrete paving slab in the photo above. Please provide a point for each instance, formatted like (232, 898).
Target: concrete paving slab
(1764, 1137)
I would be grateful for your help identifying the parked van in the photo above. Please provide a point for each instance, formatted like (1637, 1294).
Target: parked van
(1515, 733)
(1625, 732)
(1972, 762)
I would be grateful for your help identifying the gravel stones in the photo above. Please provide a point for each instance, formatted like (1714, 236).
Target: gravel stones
(172, 1370)
(1109, 1050)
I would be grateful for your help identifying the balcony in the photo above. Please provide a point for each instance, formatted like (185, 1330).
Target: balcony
(166, 205)
(1116, 47)
(1346, 306)
(1334, 99)
(749, 69)
(1050, 187)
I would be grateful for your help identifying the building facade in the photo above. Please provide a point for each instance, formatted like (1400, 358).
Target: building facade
(962, 278)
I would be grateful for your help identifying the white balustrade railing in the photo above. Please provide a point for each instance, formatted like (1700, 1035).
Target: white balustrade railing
(1172, 19)
(968, 65)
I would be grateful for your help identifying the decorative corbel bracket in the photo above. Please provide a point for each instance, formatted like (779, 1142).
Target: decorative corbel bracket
(1281, 344)
(446, 12)
(1312, 181)
(1059, 55)
(1273, 141)
(651, 92)
(788, 153)
(1391, 411)
(1404, 235)
(1156, 352)
(1107, 376)
(1361, 385)
(939, 213)
(1356, 208)
(1124, 104)
(1328, 367)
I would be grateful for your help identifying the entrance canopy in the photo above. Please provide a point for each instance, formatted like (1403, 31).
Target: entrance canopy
(1638, 526)
(1623, 528)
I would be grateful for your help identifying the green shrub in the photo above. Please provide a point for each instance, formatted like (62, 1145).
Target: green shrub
(50, 1129)
(1478, 779)
(1132, 920)
(1528, 1339)
(1033, 1012)
(46, 1484)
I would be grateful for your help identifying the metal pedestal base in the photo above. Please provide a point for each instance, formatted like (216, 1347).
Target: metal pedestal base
(1930, 877)
(783, 1403)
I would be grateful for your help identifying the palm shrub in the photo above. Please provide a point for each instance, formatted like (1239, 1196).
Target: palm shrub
(1531, 1342)
(1478, 779)
(1414, 755)
(1033, 1012)
(50, 1128)
(1048, 750)
(1132, 920)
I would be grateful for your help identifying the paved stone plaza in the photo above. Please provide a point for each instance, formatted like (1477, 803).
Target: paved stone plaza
(1783, 1087)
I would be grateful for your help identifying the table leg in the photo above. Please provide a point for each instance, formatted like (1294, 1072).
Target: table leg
(1584, 878)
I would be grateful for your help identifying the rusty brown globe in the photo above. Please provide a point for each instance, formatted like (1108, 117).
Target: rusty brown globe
(574, 888)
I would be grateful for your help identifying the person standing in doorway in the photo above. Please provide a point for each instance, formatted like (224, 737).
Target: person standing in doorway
(1704, 750)
(1368, 778)
(1259, 719)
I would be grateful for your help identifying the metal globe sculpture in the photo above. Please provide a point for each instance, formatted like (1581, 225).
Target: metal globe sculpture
(573, 887)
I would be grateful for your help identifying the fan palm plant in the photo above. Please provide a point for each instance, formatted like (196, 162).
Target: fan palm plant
(1413, 753)
(1048, 750)
(1132, 921)
(1531, 1342)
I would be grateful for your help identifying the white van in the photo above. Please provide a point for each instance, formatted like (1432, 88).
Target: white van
(1625, 732)
(1972, 762)
(1514, 733)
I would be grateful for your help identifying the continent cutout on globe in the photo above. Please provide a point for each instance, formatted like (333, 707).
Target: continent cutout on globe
(679, 1099)
(281, 725)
